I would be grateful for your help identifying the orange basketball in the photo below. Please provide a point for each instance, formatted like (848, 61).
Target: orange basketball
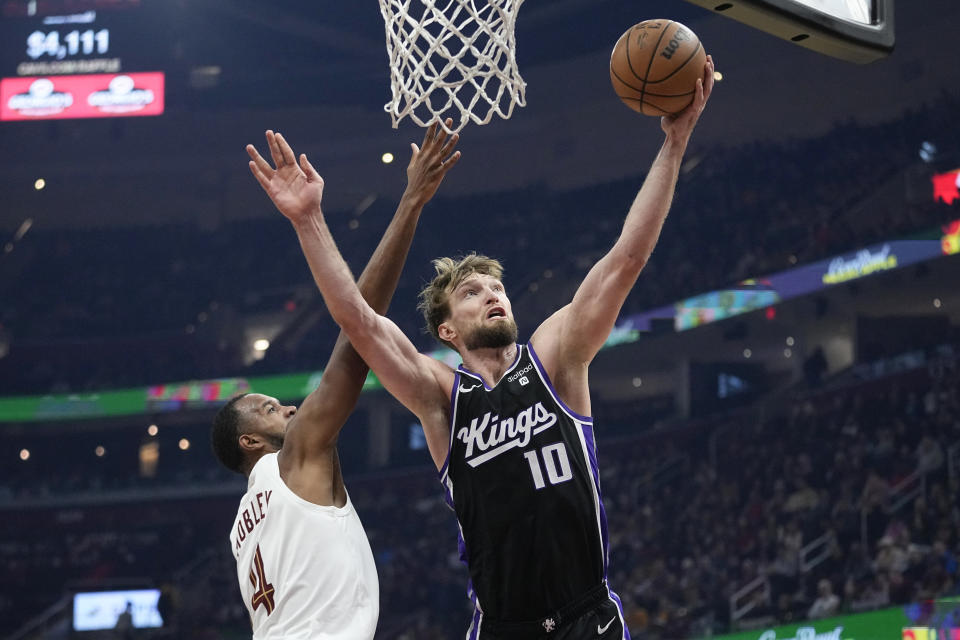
(655, 65)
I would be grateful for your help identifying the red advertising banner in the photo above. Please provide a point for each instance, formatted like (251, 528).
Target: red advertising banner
(107, 95)
(946, 186)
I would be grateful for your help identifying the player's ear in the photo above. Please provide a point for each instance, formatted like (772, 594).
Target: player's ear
(250, 442)
(446, 332)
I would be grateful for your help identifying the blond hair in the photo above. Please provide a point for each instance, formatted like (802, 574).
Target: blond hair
(435, 297)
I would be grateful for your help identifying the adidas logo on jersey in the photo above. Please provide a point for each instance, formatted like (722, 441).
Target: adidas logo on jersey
(491, 435)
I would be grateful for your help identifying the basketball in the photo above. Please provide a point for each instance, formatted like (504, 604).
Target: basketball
(655, 65)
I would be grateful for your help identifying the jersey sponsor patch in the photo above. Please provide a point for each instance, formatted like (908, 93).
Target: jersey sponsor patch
(521, 374)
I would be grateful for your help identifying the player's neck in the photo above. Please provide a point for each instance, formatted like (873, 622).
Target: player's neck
(252, 460)
(490, 364)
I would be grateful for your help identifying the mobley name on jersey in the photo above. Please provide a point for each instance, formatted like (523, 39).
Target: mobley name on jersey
(252, 516)
(504, 434)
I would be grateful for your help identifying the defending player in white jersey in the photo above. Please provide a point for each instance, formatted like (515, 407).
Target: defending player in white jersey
(303, 560)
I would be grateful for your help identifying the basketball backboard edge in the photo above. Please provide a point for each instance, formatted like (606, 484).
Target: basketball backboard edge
(799, 23)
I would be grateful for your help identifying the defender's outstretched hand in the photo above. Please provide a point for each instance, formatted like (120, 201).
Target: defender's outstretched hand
(430, 163)
(682, 124)
(295, 189)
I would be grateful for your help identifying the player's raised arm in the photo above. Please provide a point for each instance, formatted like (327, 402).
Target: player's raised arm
(419, 382)
(575, 333)
(323, 413)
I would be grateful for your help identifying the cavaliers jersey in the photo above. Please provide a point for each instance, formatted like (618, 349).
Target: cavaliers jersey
(521, 475)
(305, 570)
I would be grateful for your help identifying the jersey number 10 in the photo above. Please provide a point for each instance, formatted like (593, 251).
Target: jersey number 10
(555, 461)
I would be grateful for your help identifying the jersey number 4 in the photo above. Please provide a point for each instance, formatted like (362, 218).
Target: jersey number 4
(555, 461)
(264, 590)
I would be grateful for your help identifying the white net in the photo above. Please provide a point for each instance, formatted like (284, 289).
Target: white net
(451, 58)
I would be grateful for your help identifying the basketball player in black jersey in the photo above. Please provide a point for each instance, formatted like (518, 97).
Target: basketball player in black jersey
(509, 430)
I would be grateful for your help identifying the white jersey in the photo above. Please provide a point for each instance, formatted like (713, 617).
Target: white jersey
(305, 570)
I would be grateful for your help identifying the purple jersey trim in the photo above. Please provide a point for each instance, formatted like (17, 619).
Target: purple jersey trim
(474, 631)
(623, 620)
(595, 471)
(462, 549)
(448, 493)
(453, 415)
(553, 392)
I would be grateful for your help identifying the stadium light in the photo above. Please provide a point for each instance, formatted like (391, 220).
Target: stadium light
(928, 151)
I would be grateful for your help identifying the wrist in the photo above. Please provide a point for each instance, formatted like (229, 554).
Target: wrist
(308, 221)
(675, 144)
(414, 198)
(673, 149)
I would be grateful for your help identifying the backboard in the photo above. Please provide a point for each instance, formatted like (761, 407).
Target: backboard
(859, 31)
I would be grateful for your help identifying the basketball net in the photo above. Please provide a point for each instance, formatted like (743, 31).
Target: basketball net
(449, 56)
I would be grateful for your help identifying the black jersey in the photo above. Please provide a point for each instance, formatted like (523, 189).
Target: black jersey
(521, 475)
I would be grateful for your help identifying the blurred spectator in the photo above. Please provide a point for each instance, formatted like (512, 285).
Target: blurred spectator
(814, 367)
(123, 630)
(827, 603)
(929, 455)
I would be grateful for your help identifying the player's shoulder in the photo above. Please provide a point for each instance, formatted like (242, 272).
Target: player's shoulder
(442, 371)
(546, 343)
(552, 327)
(266, 471)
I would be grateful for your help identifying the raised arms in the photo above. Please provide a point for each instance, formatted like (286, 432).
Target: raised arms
(417, 381)
(568, 340)
(313, 431)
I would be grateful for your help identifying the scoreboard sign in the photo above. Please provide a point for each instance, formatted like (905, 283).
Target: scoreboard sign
(76, 59)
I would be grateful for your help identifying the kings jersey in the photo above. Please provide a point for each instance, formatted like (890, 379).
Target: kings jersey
(521, 475)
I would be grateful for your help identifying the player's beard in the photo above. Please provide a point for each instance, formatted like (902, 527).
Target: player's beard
(501, 334)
